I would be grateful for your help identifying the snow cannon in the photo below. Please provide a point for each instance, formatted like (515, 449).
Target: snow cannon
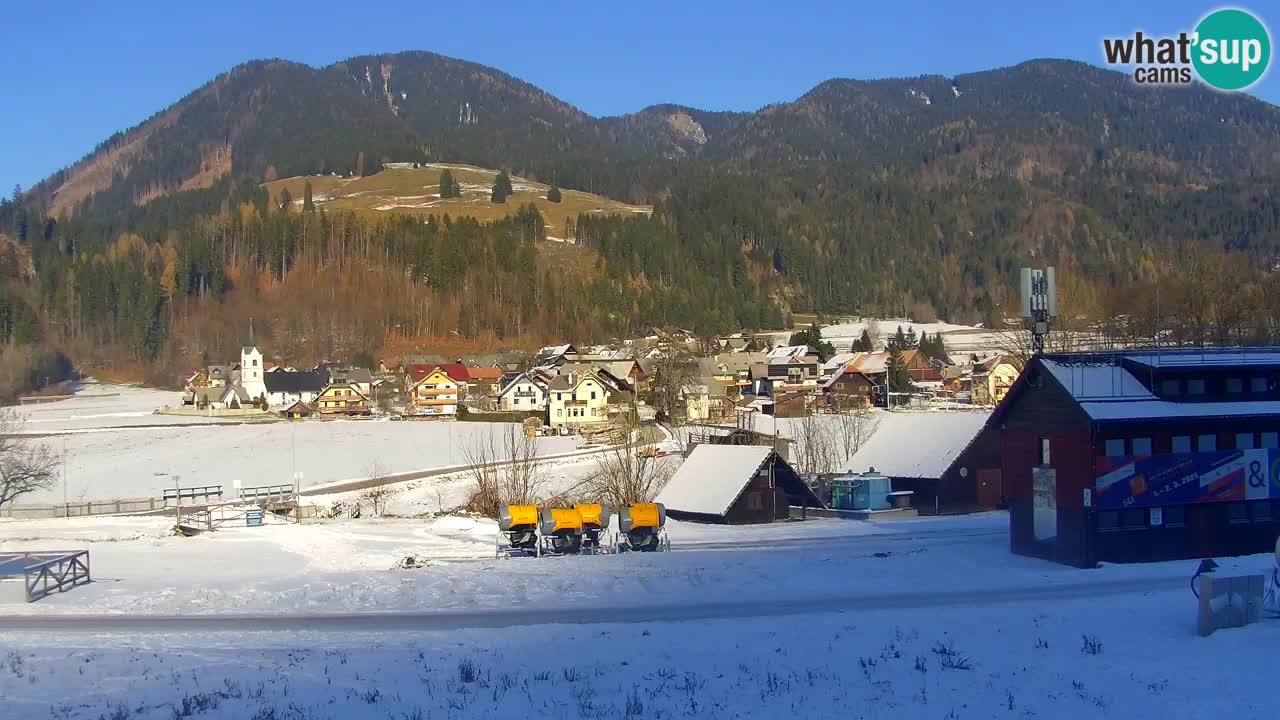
(595, 526)
(517, 530)
(642, 528)
(561, 530)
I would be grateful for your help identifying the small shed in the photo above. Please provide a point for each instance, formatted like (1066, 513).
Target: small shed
(297, 411)
(735, 484)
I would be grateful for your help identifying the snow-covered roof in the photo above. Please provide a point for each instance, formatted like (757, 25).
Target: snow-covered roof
(917, 444)
(788, 351)
(1097, 380)
(1208, 357)
(1158, 409)
(872, 362)
(712, 478)
(839, 360)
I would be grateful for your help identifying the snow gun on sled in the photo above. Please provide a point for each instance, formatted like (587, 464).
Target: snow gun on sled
(524, 530)
(642, 528)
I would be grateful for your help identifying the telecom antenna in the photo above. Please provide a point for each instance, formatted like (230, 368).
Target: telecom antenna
(1039, 304)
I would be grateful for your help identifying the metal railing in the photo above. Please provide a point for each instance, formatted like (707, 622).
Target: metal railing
(45, 573)
(174, 496)
(266, 493)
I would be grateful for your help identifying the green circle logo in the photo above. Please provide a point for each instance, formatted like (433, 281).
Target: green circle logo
(1232, 49)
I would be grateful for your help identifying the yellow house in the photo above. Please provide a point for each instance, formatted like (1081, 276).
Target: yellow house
(434, 393)
(341, 399)
(576, 399)
(992, 380)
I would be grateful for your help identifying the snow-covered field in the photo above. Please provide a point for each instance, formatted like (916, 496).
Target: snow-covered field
(927, 618)
(108, 456)
(958, 338)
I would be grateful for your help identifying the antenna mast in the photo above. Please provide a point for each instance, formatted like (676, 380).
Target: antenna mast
(1039, 304)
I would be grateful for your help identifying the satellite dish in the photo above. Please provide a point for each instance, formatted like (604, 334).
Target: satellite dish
(964, 472)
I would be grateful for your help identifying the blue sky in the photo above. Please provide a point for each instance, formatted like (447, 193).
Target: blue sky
(79, 70)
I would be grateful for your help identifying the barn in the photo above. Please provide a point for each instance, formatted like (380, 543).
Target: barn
(1143, 455)
(735, 484)
(948, 459)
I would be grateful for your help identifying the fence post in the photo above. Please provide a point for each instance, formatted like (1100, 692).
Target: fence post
(88, 507)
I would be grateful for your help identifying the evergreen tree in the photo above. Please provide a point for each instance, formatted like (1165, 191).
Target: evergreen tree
(812, 336)
(449, 187)
(911, 341)
(897, 378)
(501, 188)
(863, 344)
(553, 195)
(898, 341)
(308, 204)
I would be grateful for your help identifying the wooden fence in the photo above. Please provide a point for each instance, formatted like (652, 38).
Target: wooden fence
(45, 573)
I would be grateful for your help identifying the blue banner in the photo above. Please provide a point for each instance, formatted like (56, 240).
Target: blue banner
(1182, 478)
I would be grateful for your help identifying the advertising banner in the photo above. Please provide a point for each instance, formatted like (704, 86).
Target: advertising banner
(1182, 478)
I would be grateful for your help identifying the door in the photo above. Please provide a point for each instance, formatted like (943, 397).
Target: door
(1044, 504)
(990, 489)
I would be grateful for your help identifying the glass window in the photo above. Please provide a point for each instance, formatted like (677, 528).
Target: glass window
(1141, 447)
(1182, 443)
(1260, 511)
(593, 394)
(1175, 516)
(1244, 441)
(1239, 512)
(1170, 387)
(1115, 448)
(1258, 384)
(1044, 451)
(1134, 518)
(1195, 386)
(1235, 385)
(1108, 520)
(1270, 440)
(1207, 443)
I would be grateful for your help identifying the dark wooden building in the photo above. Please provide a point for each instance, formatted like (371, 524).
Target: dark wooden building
(1143, 455)
(735, 484)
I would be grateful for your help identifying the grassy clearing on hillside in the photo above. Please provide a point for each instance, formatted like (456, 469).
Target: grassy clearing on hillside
(416, 191)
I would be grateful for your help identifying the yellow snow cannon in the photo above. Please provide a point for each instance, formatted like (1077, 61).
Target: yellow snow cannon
(517, 530)
(561, 531)
(642, 528)
(595, 527)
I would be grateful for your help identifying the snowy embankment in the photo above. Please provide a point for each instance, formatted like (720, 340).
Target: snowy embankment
(929, 617)
(108, 456)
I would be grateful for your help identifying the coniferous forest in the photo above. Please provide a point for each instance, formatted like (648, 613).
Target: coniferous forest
(914, 197)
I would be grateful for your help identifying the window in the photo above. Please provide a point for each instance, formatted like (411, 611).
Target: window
(1141, 447)
(1270, 440)
(1258, 384)
(1170, 387)
(1235, 385)
(255, 362)
(593, 394)
(1108, 520)
(1260, 511)
(1134, 518)
(1175, 516)
(1238, 512)
(755, 501)
(1044, 451)
(1207, 443)
(560, 412)
(1115, 448)
(1195, 386)
(1244, 441)
(1182, 443)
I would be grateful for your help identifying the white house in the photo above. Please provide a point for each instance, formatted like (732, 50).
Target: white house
(576, 399)
(527, 392)
(285, 388)
(697, 402)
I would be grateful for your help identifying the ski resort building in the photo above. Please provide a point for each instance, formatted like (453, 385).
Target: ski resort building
(735, 484)
(1143, 455)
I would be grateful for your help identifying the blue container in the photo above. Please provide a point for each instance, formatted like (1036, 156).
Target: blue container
(866, 491)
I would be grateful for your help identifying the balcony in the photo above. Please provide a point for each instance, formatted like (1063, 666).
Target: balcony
(433, 392)
(425, 402)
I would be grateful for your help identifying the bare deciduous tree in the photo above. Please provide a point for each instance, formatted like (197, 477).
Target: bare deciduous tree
(25, 466)
(853, 427)
(504, 470)
(377, 496)
(628, 473)
(815, 448)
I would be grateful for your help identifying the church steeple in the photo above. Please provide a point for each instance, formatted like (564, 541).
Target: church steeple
(251, 342)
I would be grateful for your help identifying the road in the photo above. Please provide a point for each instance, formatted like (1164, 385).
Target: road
(522, 617)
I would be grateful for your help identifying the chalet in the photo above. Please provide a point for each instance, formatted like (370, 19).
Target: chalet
(434, 392)
(946, 458)
(1143, 455)
(992, 379)
(197, 379)
(576, 399)
(222, 397)
(848, 388)
(526, 392)
(360, 378)
(286, 388)
(735, 484)
(218, 375)
(342, 399)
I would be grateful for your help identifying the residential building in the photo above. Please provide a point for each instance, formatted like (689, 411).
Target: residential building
(992, 379)
(286, 388)
(525, 393)
(735, 484)
(576, 399)
(696, 401)
(342, 399)
(434, 392)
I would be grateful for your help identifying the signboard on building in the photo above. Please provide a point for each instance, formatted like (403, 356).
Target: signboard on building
(1182, 478)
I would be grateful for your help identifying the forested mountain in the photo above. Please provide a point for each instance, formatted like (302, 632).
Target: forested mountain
(916, 195)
